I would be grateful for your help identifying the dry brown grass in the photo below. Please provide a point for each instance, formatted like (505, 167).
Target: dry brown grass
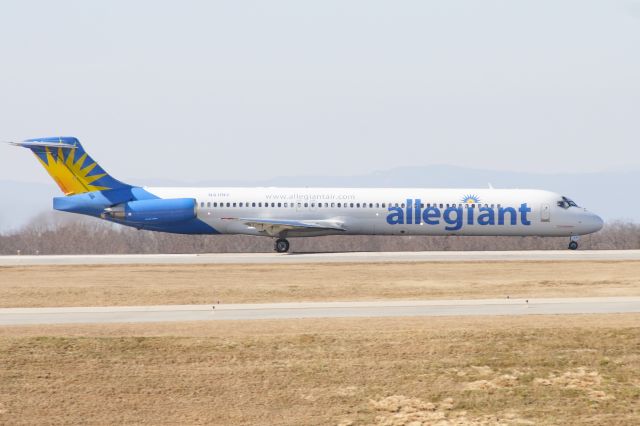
(543, 370)
(484, 370)
(195, 284)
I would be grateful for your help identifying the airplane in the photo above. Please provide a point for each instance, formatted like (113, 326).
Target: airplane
(282, 213)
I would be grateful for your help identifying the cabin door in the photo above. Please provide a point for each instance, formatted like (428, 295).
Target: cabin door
(545, 213)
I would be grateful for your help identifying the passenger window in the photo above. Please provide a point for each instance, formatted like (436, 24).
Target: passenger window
(286, 204)
(402, 205)
(320, 205)
(273, 204)
(339, 204)
(253, 204)
(306, 204)
(215, 204)
(240, 205)
(384, 205)
(202, 204)
(279, 204)
(441, 206)
(333, 204)
(351, 205)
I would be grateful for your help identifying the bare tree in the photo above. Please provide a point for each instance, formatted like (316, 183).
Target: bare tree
(65, 234)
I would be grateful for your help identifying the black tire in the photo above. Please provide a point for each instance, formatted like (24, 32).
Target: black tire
(573, 245)
(281, 245)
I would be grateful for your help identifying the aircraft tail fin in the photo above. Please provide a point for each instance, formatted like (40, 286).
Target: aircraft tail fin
(70, 166)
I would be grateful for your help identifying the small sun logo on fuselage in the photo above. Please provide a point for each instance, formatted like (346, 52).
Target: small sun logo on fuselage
(471, 199)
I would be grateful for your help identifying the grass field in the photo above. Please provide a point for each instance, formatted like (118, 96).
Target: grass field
(571, 369)
(524, 370)
(194, 284)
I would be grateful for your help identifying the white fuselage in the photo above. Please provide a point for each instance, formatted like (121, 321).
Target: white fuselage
(391, 211)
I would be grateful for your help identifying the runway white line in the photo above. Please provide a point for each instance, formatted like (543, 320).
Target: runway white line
(172, 313)
(275, 258)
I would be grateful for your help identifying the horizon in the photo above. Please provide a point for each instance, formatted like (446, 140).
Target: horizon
(43, 178)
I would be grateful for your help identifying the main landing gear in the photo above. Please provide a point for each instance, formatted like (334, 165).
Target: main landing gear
(573, 244)
(281, 245)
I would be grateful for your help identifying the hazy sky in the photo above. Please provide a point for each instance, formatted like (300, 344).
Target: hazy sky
(241, 89)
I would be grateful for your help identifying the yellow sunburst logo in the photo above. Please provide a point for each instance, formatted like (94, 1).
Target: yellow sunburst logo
(71, 176)
(471, 199)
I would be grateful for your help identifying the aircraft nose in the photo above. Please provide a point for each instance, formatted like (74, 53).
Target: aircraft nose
(594, 222)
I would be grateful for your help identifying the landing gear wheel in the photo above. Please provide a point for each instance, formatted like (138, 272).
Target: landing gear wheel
(281, 246)
(573, 245)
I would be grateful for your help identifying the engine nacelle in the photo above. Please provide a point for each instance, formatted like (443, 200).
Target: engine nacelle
(157, 211)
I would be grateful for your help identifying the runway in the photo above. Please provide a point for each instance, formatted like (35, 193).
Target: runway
(172, 313)
(357, 257)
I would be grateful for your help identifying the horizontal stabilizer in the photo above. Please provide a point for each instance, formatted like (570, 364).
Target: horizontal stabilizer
(33, 144)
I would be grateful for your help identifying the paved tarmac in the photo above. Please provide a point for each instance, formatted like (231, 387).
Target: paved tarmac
(171, 313)
(358, 257)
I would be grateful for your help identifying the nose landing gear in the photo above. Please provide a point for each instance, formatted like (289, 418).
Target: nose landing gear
(573, 244)
(281, 245)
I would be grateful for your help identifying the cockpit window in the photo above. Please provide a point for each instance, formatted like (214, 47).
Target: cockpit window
(565, 203)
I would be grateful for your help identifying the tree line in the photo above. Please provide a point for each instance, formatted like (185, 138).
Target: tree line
(51, 233)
